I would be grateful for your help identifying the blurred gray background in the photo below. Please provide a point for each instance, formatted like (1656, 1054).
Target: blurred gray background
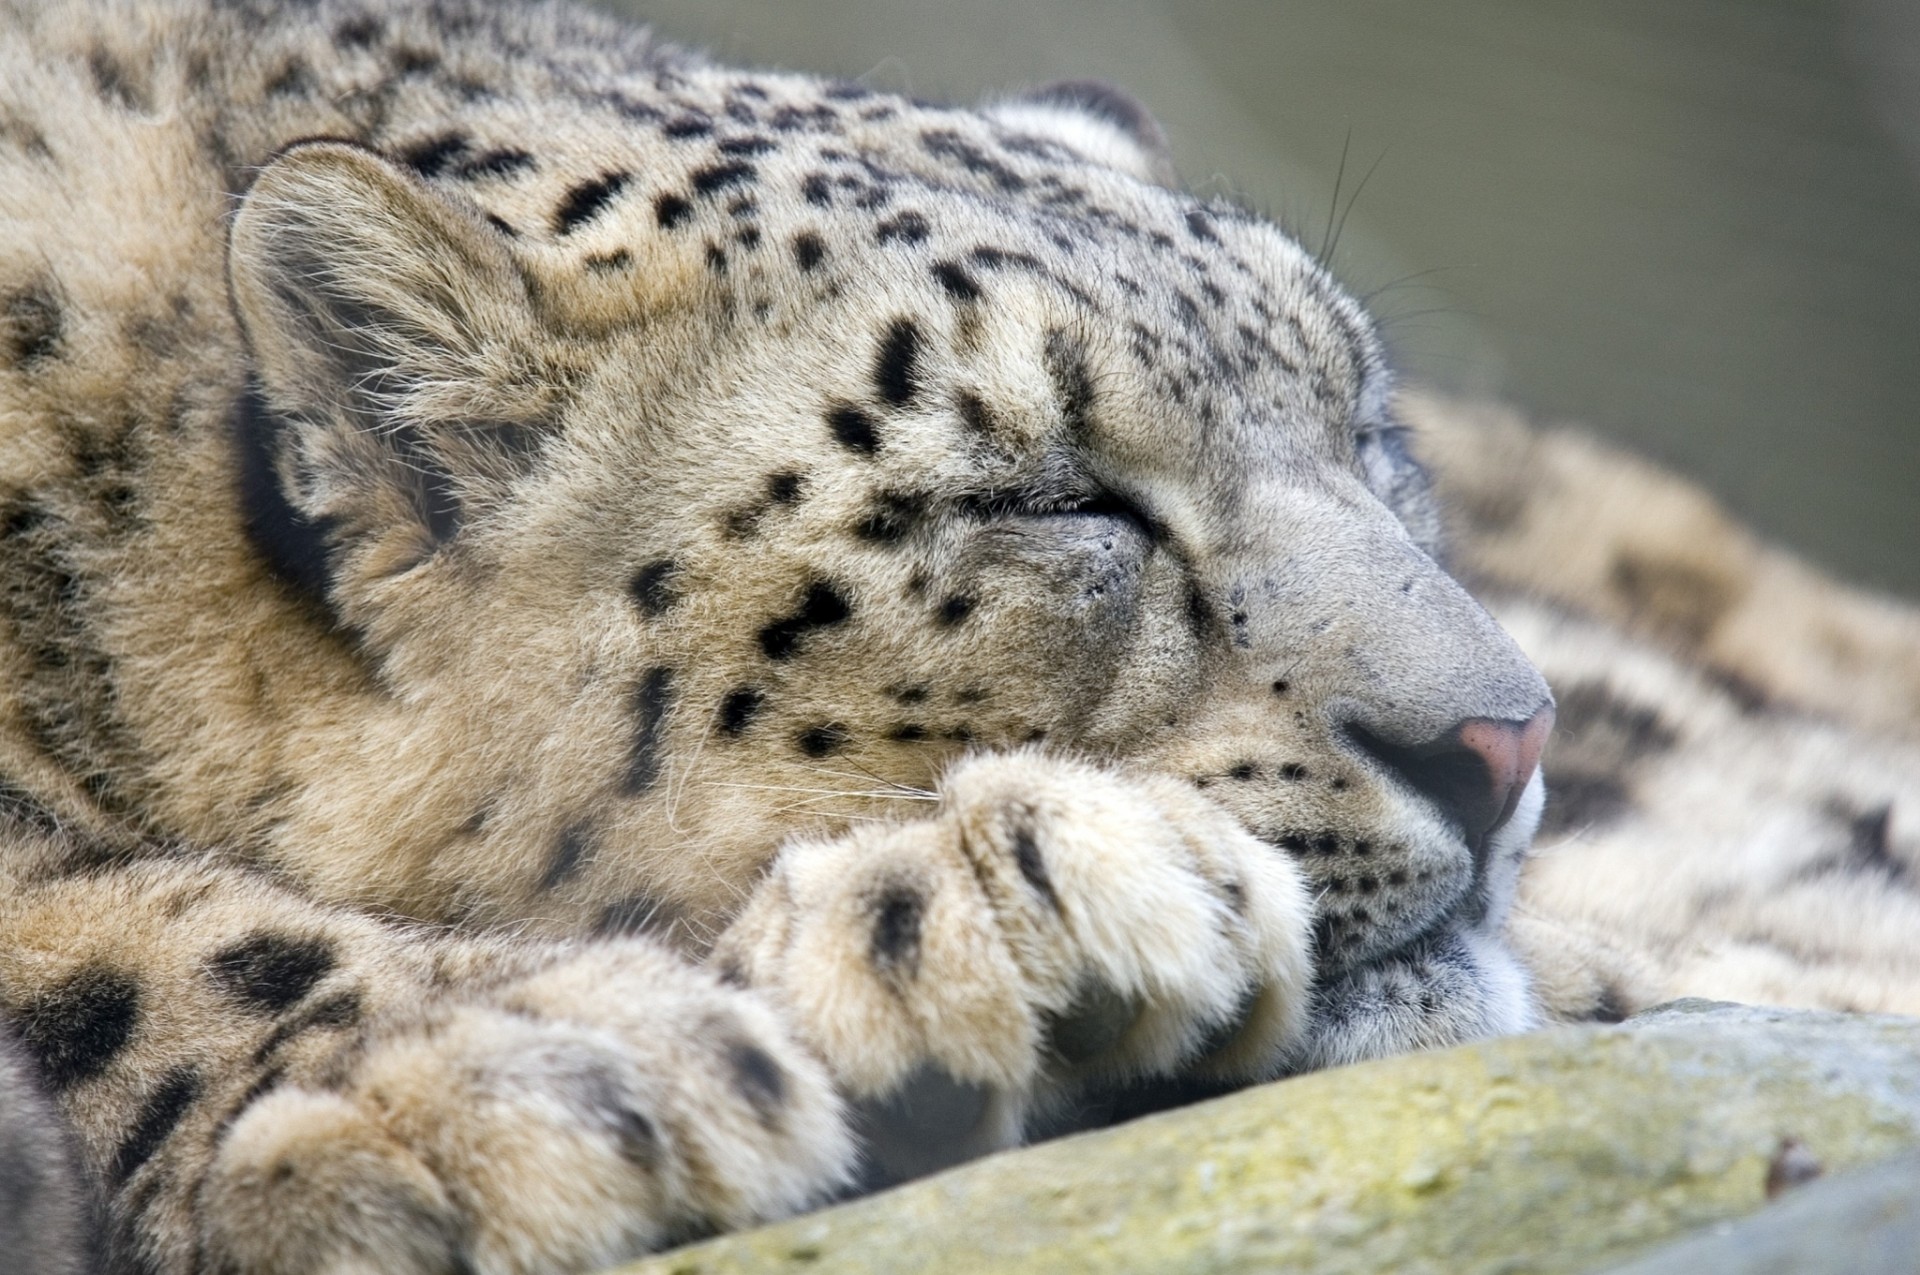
(1693, 225)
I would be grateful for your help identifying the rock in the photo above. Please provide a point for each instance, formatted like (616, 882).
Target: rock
(1562, 1151)
(1862, 1223)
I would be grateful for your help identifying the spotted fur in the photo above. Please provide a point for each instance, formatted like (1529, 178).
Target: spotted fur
(595, 646)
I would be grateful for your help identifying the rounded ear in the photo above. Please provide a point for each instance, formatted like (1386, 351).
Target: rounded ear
(1103, 123)
(362, 292)
(398, 377)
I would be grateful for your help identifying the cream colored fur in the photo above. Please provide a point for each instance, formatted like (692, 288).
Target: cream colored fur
(595, 647)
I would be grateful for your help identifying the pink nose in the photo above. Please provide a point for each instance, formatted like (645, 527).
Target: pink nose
(1511, 752)
(1474, 772)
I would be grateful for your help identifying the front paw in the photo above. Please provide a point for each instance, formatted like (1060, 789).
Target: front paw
(1054, 926)
(607, 1104)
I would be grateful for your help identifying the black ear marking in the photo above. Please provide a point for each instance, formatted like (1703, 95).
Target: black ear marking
(293, 545)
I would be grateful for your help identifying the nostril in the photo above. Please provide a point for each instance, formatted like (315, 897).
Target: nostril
(1475, 772)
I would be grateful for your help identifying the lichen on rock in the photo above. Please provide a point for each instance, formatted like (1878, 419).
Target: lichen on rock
(1562, 1151)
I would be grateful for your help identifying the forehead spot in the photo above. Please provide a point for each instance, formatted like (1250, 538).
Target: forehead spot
(670, 210)
(854, 428)
(955, 280)
(896, 365)
(586, 201)
(718, 177)
(808, 250)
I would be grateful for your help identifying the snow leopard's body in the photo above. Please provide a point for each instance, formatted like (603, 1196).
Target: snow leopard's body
(594, 646)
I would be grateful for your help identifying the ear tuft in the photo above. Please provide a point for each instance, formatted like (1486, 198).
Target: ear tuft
(1099, 121)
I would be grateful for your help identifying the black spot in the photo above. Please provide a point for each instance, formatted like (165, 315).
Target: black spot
(748, 237)
(909, 694)
(75, 1030)
(739, 708)
(293, 78)
(854, 427)
(671, 210)
(652, 586)
(359, 32)
(892, 516)
(1282, 686)
(1200, 226)
(607, 262)
(955, 609)
(267, 972)
(585, 201)
(1326, 843)
(747, 145)
(568, 855)
(684, 126)
(1590, 710)
(1609, 1006)
(414, 61)
(31, 325)
(1245, 770)
(896, 365)
(1026, 857)
(907, 733)
(947, 144)
(430, 155)
(1293, 770)
(960, 285)
(111, 82)
(716, 259)
(817, 189)
(907, 227)
(976, 415)
(651, 700)
(503, 162)
(159, 1114)
(502, 226)
(818, 741)
(784, 488)
(758, 1078)
(897, 916)
(340, 1010)
(823, 607)
(720, 176)
(1072, 383)
(808, 249)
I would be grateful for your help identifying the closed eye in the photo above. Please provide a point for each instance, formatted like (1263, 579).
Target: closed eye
(1111, 504)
